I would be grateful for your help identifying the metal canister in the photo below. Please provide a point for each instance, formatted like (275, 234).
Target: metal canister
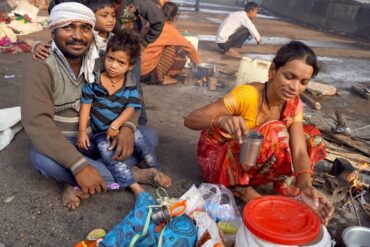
(250, 148)
(161, 214)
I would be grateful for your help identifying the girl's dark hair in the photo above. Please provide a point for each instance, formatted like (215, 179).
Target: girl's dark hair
(126, 40)
(170, 10)
(296, 50)
(95, 5)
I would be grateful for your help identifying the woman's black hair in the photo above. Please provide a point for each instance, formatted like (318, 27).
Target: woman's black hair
(126, 40)
(95, 5)
(296, 50)
(169, 10)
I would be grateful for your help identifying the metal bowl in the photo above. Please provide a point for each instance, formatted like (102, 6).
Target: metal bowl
(356, 236)
(204, 70)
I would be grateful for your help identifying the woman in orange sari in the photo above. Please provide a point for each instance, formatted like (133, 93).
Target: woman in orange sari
(289, 150)
(165, 58)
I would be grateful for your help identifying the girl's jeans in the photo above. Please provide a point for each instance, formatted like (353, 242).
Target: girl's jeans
(146, 140)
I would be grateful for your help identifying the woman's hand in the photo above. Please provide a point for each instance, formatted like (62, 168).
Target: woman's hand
(83, 140)
(233, 125)
(318, 202)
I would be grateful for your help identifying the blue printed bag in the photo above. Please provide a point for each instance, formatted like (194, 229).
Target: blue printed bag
(179, 232)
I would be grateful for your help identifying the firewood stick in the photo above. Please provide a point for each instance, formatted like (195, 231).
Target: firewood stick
(354, 207)
(316, 105)
(364, 185)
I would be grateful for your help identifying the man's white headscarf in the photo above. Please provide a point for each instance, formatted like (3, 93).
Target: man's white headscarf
(65, 13)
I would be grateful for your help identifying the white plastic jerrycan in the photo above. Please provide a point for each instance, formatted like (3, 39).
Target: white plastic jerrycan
(252, 70)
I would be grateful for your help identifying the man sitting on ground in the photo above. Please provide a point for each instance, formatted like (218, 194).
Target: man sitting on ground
(50, 102)
(236, 29)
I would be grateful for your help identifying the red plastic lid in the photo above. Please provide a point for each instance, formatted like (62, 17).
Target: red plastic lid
(281, 220)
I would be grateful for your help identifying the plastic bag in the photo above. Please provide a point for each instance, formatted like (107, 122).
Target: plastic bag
(194, 200)
(208, 232)
(7, 135)
(220, 203)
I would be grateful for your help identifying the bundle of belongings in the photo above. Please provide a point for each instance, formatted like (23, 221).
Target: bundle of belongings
(22, 20)
(10, 125)
(41, 4)
(151, 224)
(204, 217)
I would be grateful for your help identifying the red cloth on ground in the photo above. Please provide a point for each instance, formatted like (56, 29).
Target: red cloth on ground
(6, 46)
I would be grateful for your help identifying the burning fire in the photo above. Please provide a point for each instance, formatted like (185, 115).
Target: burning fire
(354, 177)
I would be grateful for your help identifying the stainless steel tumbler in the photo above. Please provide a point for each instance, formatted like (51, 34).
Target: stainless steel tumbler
(250, 148)
(161, 214)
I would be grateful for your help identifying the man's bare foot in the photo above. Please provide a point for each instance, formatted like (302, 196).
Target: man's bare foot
(152, 176)
(167, 80)
(245, 193)
(233, 53)
(71, 198)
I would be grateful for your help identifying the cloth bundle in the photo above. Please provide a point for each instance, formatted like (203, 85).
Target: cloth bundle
(10, 125)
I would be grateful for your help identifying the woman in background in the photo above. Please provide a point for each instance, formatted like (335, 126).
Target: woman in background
(164, 59)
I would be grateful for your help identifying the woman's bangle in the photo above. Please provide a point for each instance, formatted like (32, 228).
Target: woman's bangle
(309, 171)
(213, 121)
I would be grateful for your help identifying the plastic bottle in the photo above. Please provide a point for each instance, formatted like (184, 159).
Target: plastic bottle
(227, 227)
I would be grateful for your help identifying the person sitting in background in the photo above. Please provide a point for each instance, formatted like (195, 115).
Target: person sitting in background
(289, 150)
(236, 29)
(164, 59)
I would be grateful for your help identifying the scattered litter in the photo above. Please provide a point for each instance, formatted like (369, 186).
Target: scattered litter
(96, 234)
(341, 125)
(361, 90)
(7, 200)
(222, 84)
(9, 76)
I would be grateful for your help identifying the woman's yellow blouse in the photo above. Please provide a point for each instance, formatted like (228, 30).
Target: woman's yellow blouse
(243, 101)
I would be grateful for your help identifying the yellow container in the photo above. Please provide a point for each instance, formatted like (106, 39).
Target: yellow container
(252, 70)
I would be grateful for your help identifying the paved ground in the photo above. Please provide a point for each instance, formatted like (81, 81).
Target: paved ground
(36, 217)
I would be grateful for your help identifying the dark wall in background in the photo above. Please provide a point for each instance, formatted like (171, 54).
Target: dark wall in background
(340, 15)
